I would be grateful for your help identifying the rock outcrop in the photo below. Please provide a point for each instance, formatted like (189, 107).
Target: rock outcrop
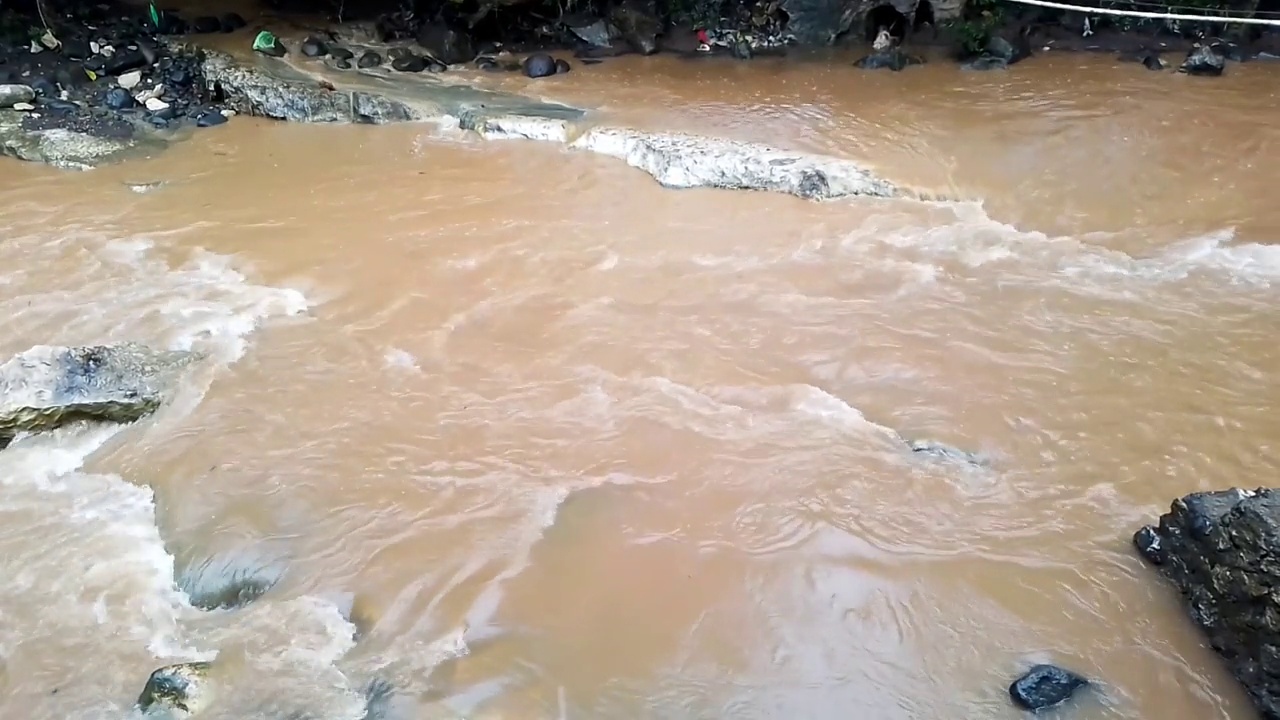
(250, 91)
(60, 147)
(181, 690)
(1222, 551)
(47, 387)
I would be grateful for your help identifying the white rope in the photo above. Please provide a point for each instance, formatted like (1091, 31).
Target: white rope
(1155, 15)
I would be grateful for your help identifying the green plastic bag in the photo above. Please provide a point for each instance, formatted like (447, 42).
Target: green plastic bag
(155, 15)
(265, 41)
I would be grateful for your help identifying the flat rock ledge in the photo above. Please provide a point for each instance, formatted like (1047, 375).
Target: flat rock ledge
(64, 149)
(47, 387)
(691, 161)
(1222, 551)
(250, 91)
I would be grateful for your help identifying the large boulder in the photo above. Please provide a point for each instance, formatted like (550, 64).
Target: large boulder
(638, 23)
(1209, 60)
(446, 44)
(1222, 551)
(180, 690)
(47, 387)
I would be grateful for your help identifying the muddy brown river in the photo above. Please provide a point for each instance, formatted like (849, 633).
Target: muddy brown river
(569, 445)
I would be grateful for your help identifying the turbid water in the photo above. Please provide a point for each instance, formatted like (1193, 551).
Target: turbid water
(566, 444)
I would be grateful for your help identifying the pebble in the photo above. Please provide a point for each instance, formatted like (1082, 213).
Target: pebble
(24, 106)
(369, 59)
(130, 80)
(155, 104)
(210, 119)
(1044, 686)
(119, 99)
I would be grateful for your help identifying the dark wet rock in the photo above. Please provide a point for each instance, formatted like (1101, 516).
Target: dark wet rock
(177, 688)
(998, 47)
(1205, 60)
(210, 118)
(206, 24)
(12, 94)
(250, 91)
(741, 49)
(313, 47)
(1152, 61)
(396, 53)
(1045, 686)
(379, 696)
(44, 87)
(985, 62)
(124, 61)
(1222, 551)
(172, 24)
(76, 49)
(637, 22)
(893, 59)
(337, 64)
(1147, 542)
(446, 44)
(341, 53)
(47, 387)
(229, 581)
(488, 64)
(58, 106)
(369, 59)
(596, 33)
(409, 64)
(562, 66)
(539, 65)
(940, 451)
(178, 77)
(231, 22)
(117, 98)
(158, 120)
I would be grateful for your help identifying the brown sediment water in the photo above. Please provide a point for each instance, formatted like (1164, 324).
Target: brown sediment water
(584, 447)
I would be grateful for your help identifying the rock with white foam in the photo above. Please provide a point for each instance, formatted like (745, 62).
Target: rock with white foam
(689, 161)
(180, 691)
(47, 387)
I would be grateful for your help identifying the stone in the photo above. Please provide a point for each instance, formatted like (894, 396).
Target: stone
(1152, 61)
(539, 65)
(210, 118)
(231, 22)
(58, 106)
(313, 47)
(183, 688)
(562, 66)
(155, 104)
(985, 62)
(1221, 550)
(741, 49)
(435, 66)
(129, 80)
(341, 53)
(24, 106)
(11, 95)
(338, 64)
(409, 64)
(123, 62)
(76, 49)
(597, 33)
(44, 87)
(893, 58)
(47, 387)
(251, 91)
(1204, 60)
(638, 24)
(206, 24)
(119, 99)
(1000, 48)
(369, 59)
(1045, 686)
(379, 695)
(446, 44)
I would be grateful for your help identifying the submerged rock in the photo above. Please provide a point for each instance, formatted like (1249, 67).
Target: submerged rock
(379, 695)
(893, 59)
(409, 64)
(341, 53)
(249, 91)
(985, 62)
(562, 66)
(1222, 551)
(47, 387)
(687, 161)
(182, 688)
(1206, 60)
(369, 59)
(229, 581)
(539, 65)
(313, 47)
(939, 451)
(1044, 686)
